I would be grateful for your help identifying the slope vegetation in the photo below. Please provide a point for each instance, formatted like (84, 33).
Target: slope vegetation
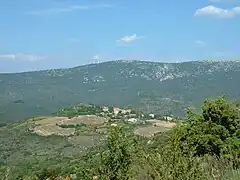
(166, 88)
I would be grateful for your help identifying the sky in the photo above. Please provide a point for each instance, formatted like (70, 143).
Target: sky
(44, 34)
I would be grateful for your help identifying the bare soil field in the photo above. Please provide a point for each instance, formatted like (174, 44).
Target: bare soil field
(149, 131)
(49, 126)
(51, 121)
(87, 119)
(48, 130)
(160, 123)
(156, 127)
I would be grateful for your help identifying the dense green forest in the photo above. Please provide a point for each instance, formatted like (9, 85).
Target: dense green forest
(205, 145)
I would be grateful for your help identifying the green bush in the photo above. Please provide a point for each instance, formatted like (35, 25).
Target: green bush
(205, 147)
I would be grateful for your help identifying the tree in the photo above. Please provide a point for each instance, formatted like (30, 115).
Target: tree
(222, 113)
(213, 131)
(116, 160)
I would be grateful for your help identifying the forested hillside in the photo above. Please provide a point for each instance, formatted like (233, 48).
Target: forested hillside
(166, 88)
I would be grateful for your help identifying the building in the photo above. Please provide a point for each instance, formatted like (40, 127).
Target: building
(105, 109)
(151, 115)
(125, 111)
(167, 118)
(116, 110)
(132, 120)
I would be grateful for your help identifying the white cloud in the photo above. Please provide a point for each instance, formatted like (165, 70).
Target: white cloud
(21, 57)
(236, 10)
(216, 12)
(129, 39)
(199, 43)
(68, 9)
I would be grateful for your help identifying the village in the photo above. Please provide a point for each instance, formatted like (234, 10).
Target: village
(131, 116)
(88, 118)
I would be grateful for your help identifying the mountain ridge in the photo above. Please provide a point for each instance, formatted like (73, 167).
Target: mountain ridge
(122, 61)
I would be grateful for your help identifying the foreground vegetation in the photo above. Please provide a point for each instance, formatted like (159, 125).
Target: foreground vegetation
(205, 146)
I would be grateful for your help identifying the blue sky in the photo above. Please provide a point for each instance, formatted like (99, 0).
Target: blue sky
(42, 34)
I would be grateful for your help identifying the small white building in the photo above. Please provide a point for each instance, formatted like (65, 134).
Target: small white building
(168, 118)
(132, 120)
(105, 109)
(116, 110)
(126, 111)
(151, 115)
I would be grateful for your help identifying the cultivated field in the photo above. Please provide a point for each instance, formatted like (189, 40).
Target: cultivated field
(51, 121)
(149, 131)
(160, 123)
(156, 127)
(50, 126)
(48, 130)
(87, 119)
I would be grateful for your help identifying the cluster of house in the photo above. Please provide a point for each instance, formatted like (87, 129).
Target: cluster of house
(117, 111)
(131, 115)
